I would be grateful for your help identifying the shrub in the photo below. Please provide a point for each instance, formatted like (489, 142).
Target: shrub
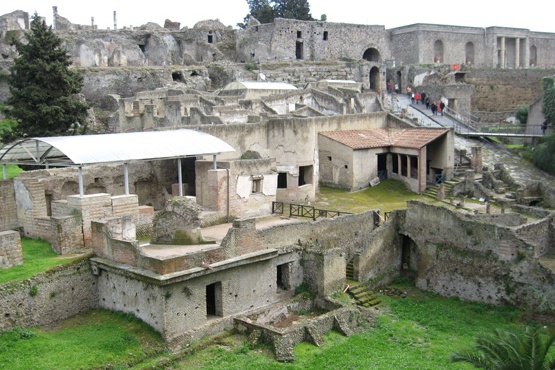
(521, 113)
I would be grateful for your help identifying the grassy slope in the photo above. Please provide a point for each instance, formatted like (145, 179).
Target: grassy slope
(37, 257)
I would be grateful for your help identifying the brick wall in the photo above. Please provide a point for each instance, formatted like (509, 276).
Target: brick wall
(8, 215)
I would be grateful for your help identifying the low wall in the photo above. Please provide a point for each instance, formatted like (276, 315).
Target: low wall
(49, 297)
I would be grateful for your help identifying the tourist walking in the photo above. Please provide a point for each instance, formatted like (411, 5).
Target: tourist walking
(427, 102)
(442, 107)
(417, 98)
(434, 108)
(389, 87)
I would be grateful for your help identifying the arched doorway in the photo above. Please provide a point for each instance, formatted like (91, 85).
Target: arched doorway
(371, 55)
(469, 52)
(409, 255)
(533, 56)
(375, 79)
(438, 51)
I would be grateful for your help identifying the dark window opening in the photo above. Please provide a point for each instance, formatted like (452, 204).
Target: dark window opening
(371, 55)
(177, 76)
(413, 167)
(404, 166)
(394, 163)
(142, 47)
(329, 158)
(194, 73)
(299, 50)
(299, 34)
(282, 180)
(325, 35)
(284, 276)
(48, 198)
(210, 39)
(305, 175)
(214, 299)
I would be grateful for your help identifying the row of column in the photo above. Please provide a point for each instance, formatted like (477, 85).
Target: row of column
(518, 64)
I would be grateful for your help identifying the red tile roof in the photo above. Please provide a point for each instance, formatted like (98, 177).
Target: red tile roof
(414, 138)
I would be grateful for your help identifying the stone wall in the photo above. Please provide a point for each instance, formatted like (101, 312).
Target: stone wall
(10, 249)
(503, 91)
(8, 216)
(289, 39)
(48, 297)
(479, 261)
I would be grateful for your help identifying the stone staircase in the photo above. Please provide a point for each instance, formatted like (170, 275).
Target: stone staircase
(362, 295)
(431, 191)
(350, 274)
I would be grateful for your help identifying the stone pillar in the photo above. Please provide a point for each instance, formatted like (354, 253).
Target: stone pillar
(115, 22)
(526, 47)
(517, 53)
(54, 16)
(10, 249)
(476, 160)
(441, 192)
(488, 208)
(469, 180)
(502, 57)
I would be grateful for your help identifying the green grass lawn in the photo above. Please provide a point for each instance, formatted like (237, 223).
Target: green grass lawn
(386, 196)
(37, 257)
(98, 339)
(12, 171)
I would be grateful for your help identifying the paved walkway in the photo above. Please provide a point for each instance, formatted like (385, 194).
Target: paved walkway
(492, 153)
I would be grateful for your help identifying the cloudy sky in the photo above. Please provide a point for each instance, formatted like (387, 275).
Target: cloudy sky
(531, 14)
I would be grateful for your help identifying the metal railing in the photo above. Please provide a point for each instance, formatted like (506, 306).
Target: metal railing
(301, 210)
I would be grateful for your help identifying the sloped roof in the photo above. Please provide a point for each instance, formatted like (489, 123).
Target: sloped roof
(112, 148)
(412, 138)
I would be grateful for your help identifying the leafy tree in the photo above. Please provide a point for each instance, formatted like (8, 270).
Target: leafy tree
(548, 99)
(324, 18)
(544, 154)
(267, 10)
(43, 89)
(511, 350)
(293, 9)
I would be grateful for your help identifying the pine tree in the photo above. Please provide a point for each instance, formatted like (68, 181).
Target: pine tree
(43, 89)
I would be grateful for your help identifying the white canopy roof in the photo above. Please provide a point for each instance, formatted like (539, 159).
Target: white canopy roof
(112, 148)
(258, 85)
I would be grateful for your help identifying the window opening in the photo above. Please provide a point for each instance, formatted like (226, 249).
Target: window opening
(325, 35)
(282, 180)
(214, 299)
(305, 175)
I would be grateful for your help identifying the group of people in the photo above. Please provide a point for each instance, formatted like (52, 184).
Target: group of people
(416, 98)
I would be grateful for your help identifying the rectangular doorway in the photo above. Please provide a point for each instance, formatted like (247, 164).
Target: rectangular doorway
(214, 300)
(284, 276)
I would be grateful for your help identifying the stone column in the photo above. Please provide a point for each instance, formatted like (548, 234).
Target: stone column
(517, 53)
(502, 57)
(476, 160)
(526, 47)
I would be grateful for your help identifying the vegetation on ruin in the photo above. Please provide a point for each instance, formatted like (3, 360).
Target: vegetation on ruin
(98, 339)
(548, 110)
(12, 170)
(43, 89)
(386, 196)
(544, 154)
(37, 257)
(421, 331)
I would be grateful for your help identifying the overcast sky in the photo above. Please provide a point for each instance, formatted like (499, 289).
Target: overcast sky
(534, 15)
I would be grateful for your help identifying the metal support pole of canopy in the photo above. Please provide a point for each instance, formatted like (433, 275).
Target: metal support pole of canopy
(4, 171)
(80, 171)
(214, 166)
(179, 177)
(126, 178)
